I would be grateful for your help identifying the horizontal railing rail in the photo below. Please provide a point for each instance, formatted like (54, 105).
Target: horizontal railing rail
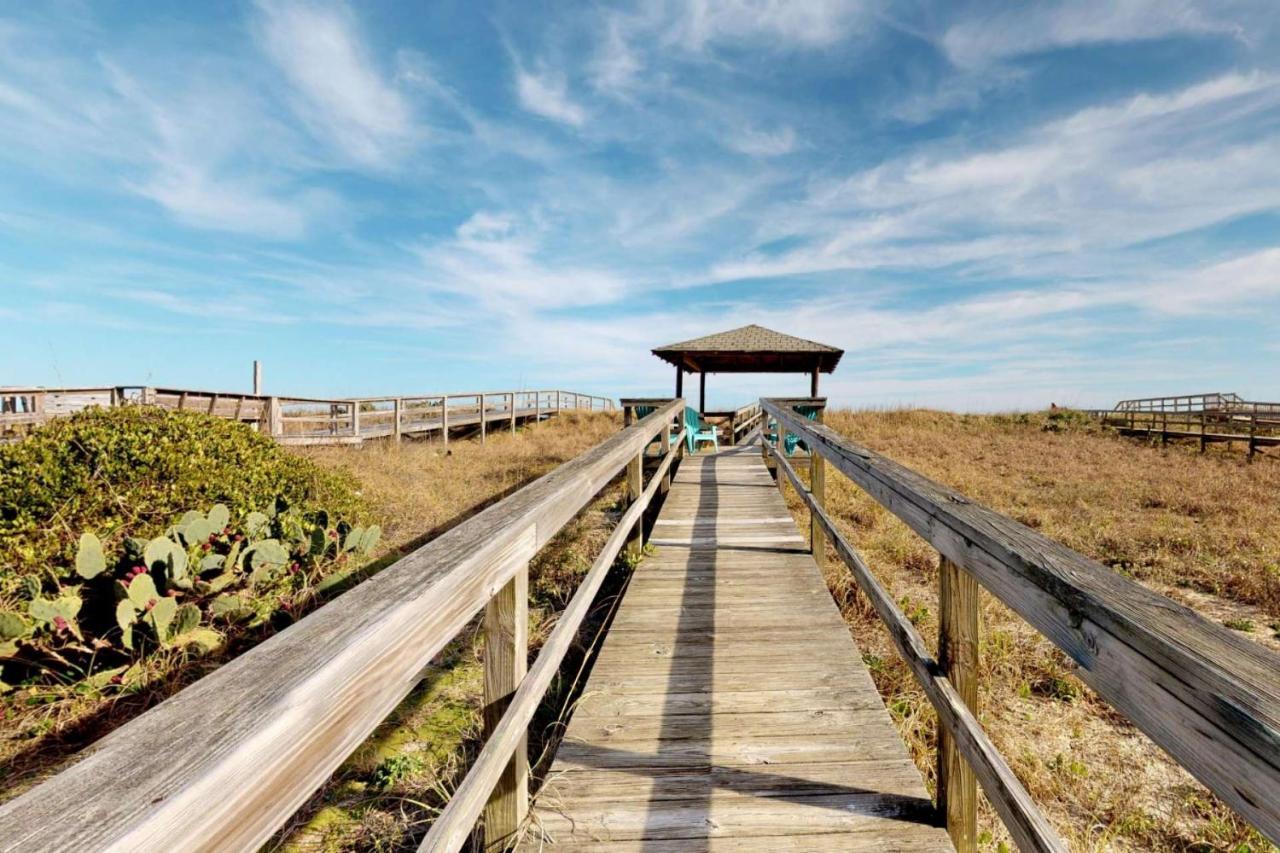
(305, 420)
(1209, 698)
(225, 762)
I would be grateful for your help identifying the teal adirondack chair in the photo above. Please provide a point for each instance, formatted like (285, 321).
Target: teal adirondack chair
(793, 441)
(696, 431)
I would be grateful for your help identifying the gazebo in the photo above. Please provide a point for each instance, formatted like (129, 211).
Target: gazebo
(750, 349)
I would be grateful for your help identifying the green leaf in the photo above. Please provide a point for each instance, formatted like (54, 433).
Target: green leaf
(162, 616)
(369, 540)
(211, 562)
(229, 607)
(157, 551)
(188, 619)
(219, 515)
(126, 614)
(13, 626)
(256, 524)
(205, 640)
(90, 561)
(31, 586)
(267, 552)
(222, 581)
(197, 531)
(352, 539)
(319, 541)
(141, 590)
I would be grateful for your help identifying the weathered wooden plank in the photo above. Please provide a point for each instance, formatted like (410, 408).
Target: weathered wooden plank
(1208, 697)
(224, 762)
(725, 666)
(1028, 827)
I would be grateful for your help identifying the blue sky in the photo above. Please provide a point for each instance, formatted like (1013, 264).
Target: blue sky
(987, 205)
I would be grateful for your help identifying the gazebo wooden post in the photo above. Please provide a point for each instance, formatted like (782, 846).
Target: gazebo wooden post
(679, 381)
(702, 392)
(813, 382)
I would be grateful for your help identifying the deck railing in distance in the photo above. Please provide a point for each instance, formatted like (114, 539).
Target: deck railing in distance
(225, 762)
(1211, 699)
(308, 420)
(1255, 425)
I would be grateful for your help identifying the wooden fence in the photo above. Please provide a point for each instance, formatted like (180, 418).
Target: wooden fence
(1210, 698)
(1205, 418)
(306, 420)
(224, 763)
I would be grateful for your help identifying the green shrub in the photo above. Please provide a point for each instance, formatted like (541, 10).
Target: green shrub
(131, 471)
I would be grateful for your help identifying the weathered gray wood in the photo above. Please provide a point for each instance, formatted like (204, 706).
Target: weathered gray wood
(1208, 697)
(451, 830)
(1010, 799)
(728, 698)
(506, 658)
(227, 760)
(958, 658)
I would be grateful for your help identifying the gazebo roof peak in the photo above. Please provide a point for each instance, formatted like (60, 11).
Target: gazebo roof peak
(751, 349)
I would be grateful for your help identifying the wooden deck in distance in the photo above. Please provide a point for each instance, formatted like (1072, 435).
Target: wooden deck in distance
(729, 707)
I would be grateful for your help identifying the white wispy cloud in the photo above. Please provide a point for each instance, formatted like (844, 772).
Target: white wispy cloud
(764, 143)
(339, 89)
(1020, 29)
(807, 23)
(546, 93)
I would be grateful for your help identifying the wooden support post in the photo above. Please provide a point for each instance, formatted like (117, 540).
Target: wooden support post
(1203, 419)
(958, 658)
(702, 392)
(444, 420)
(355, 418)
(511, 398)
(781, 449)
(665, 439)
(506, 660)
(1164, 429)
(398, 407)
(1253, 435)
(257, 377)
(537, 408)
(482, 419)
(813, 382)
(635, 488)
(275, 417)
(817, 488)
(679, 382)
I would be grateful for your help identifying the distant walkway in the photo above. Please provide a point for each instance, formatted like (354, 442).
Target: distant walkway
(729, 707)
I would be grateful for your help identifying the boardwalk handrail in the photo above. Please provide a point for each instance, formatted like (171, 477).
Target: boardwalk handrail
(1209, 698)
(226, 761)
(306, 420)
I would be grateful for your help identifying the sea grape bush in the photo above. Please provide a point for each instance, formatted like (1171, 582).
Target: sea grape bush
(133, 469)
(206, 575)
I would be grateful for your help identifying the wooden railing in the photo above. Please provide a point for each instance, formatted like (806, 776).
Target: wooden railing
(225, 762)
(1255, 425)
(307, 420)
(1209, 698)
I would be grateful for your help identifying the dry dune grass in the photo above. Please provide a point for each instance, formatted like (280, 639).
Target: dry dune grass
(1206, 528)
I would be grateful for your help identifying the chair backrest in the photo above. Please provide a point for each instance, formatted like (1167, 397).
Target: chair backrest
(793, 440)
(691, 419)
(645, 411)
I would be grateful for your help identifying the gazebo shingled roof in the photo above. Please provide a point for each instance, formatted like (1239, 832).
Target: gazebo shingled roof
(751, 349)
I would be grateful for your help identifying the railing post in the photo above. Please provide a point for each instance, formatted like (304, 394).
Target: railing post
(1253, 435)
(958, 658)
(506, 660)
(781, 449)
(275, 417)
(635, 488)
(665, 485)
(396, 408)
(511, 399)
(444, 419)
(355, 418)
(537, 408)
(817, 488)
(482, 419)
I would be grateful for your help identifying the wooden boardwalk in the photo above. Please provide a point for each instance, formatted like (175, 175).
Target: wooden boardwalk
(729, 707)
